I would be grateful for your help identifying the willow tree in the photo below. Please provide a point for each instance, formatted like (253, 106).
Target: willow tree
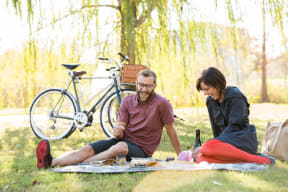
(264, 93)
(132, 14)
(138, 30)
(159, 28)
(276, 10)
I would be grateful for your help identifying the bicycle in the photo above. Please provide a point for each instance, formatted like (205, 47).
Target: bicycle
(55, 113)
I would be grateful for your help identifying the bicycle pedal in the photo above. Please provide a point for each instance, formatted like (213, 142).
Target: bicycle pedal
(81, 129)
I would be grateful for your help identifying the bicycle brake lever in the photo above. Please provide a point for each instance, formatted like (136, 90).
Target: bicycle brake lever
(112, 68)
(123, 56)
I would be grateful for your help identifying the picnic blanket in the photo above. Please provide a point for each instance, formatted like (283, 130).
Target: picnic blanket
(173, 165)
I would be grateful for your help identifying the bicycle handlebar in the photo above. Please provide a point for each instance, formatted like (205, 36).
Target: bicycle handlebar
(110, 60)
(103, 58)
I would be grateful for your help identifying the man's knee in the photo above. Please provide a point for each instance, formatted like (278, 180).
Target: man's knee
(120, 148)
(87, 150)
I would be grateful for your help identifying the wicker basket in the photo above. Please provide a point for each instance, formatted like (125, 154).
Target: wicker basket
(130, 72)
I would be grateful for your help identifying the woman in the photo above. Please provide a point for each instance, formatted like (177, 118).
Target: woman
(235, 139)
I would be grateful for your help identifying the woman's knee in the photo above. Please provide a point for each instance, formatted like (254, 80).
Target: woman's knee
(207, 148)
(121, 148)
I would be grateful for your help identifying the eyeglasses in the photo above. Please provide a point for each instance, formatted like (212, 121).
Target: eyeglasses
(142, 85)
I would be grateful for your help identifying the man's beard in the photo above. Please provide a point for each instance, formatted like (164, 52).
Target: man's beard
(149, 96)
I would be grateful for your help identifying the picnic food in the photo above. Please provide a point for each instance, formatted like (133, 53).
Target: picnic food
(142, 163)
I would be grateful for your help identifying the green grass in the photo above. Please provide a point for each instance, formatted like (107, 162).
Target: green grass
(18, 169)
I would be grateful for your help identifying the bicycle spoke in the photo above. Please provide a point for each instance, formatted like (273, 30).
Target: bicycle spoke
(52, 114)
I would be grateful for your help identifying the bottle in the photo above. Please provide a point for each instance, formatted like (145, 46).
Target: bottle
(197, 139)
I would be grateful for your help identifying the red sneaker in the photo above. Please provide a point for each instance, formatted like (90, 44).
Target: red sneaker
(44, 158)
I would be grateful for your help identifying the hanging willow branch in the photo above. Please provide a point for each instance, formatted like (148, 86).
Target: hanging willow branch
(143, 17)
(73, 12)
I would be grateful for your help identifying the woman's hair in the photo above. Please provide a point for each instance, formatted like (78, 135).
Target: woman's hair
(212, 77)
(148, 73)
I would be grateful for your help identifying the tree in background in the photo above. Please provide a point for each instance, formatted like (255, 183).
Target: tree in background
(264, 93)
(167, 35)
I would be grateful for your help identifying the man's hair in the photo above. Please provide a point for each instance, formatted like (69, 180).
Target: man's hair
(212, 77)
(148, 73)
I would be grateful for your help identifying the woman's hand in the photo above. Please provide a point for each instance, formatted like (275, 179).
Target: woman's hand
(196, 152)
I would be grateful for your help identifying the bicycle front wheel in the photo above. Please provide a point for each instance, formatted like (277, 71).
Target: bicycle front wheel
(110, 109)
(52, 114)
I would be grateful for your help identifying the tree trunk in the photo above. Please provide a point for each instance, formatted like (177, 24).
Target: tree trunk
(285, 71)
(128, 32)
(122, 44)
(264, 95)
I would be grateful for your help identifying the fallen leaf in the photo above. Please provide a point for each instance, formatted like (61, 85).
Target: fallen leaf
(5, 188)
(34, 182)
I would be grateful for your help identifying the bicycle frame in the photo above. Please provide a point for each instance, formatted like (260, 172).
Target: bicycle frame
(107, 89)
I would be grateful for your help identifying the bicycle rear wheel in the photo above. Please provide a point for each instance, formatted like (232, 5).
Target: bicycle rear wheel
(109, 111)
(52, 113)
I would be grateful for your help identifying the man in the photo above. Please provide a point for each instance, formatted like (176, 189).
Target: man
(138, 133)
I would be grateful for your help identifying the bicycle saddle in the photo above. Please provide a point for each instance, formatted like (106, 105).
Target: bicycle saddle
(71, 66)
(79, 73)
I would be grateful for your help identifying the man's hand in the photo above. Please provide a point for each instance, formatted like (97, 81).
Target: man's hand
(118, 131)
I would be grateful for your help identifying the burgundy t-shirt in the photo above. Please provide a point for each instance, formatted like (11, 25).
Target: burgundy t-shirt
(145, 121)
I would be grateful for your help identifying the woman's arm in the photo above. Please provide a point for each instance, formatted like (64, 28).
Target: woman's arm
(210, 106)
(237, 114)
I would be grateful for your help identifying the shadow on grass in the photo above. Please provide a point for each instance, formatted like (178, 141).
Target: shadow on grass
(271, 179)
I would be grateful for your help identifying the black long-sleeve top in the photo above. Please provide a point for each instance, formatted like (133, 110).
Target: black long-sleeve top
(230, 122)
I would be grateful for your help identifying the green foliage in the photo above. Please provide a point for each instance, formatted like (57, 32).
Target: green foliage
(30, 71)
(176, 51)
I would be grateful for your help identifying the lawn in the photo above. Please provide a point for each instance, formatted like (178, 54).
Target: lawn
(18, 171)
